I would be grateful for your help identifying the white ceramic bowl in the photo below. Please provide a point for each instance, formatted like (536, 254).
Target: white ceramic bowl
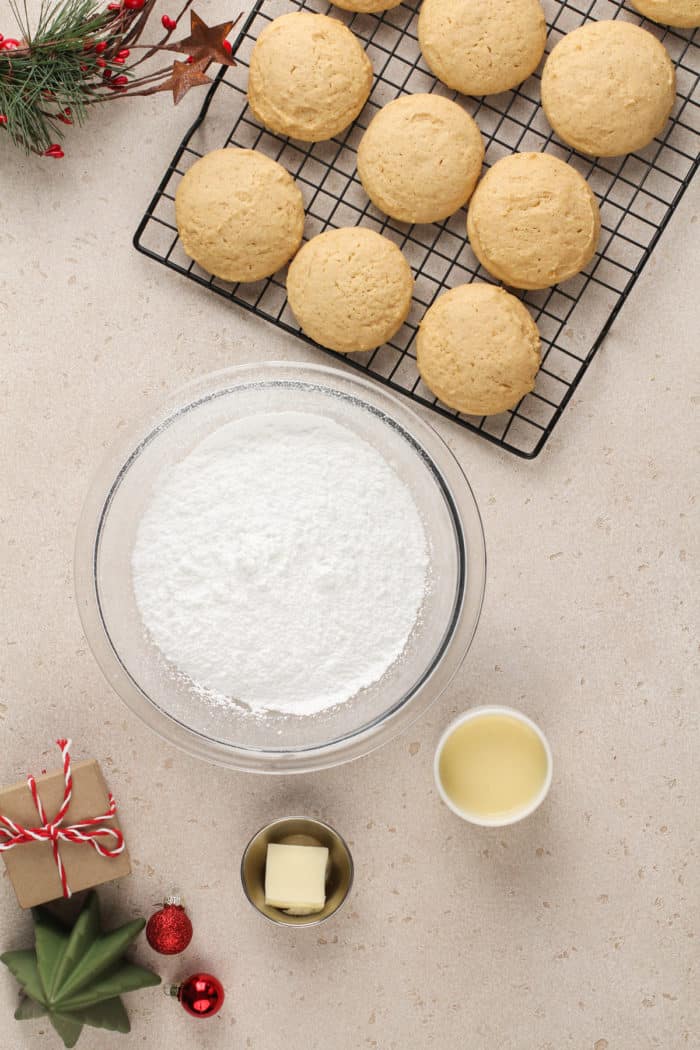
(229, 735)
(517, 815)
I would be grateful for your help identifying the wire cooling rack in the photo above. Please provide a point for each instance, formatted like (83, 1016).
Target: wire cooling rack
(637, 196)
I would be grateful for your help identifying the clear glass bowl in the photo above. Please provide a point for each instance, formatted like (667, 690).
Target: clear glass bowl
(231, 736)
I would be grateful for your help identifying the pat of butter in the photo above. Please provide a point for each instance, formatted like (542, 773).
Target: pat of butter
(295, 878)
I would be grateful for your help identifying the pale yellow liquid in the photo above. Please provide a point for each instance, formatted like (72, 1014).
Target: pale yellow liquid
(493, 765)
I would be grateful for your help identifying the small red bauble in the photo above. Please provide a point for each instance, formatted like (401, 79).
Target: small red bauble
(201, 995)
(169, 930)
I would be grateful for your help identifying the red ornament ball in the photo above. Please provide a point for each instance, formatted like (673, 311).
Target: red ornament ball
(169, 930)
(201, 995)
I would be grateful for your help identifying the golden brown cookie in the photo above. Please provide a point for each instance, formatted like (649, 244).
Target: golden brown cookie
(684, 14)
(309, 76)
(533, 220)
(350, 289)
(478, 349)
(608, 88)
(239, 214)
(366, 6)
(420, 158)
(481, 47)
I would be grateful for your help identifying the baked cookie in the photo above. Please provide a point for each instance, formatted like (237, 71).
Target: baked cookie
(608, 88)
(481, 47)
(533, 220)
(309, 76)
(420, 158)
(239, 214)
(478, 349)
(350, 289)
(366, 6)
(684, 14)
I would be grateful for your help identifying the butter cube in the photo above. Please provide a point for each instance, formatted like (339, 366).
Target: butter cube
(295, 878)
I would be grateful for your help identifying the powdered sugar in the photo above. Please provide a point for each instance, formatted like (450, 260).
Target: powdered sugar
(282, 564)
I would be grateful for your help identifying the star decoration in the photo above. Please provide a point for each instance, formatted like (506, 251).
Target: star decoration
(206, 42)
(184, 75)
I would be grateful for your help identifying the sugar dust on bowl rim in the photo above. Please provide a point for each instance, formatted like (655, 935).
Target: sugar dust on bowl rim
(281, 568)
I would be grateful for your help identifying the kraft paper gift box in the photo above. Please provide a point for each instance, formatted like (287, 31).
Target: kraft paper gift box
(31, 866)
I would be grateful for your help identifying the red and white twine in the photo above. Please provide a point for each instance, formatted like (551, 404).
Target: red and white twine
(88, 831)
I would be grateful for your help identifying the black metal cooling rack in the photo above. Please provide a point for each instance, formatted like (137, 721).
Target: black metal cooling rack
(637, 195)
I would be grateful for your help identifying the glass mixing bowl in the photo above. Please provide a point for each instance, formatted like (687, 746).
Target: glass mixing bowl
(230, 735)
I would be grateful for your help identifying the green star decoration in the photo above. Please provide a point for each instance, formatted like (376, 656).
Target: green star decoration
(75, 977)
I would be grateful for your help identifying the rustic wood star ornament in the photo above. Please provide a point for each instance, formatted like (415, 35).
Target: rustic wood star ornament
(184, 75)
(206, 42)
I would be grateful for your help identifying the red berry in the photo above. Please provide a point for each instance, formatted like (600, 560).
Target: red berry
(54, 151)
(101, 47)
(9, 44)
(168, 23)
(124, 53)
(107, 74)
(118, 81)
(114, 7)
(227, 47)
(190, 59)
(134, 5)
(118, 61)
(3, 119)
(101, 63)
(83, 67)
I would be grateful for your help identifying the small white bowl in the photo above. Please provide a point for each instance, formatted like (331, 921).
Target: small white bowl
(517, 815)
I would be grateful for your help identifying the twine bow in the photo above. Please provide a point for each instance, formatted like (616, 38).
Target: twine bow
(87, 831)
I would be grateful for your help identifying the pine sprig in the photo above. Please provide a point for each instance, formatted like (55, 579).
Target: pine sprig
(50, 72)
(79, 54)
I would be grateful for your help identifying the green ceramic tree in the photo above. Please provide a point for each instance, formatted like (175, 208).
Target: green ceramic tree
(75, 977)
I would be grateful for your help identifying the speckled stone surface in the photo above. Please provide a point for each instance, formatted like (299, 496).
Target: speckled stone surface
(571, 930)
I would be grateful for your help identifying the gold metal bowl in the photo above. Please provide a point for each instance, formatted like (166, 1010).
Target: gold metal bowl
(299, 831)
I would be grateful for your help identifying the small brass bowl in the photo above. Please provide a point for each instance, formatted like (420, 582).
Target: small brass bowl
(299, 831)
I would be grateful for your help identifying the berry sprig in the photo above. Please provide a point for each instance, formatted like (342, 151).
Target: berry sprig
(82, 53)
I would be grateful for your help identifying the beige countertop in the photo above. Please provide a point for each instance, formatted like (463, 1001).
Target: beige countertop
(573, 929)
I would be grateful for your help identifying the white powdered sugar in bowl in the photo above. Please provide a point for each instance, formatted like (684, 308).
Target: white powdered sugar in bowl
(282, 564)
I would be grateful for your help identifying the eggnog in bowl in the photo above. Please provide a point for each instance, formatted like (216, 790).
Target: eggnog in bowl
(493, 766)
